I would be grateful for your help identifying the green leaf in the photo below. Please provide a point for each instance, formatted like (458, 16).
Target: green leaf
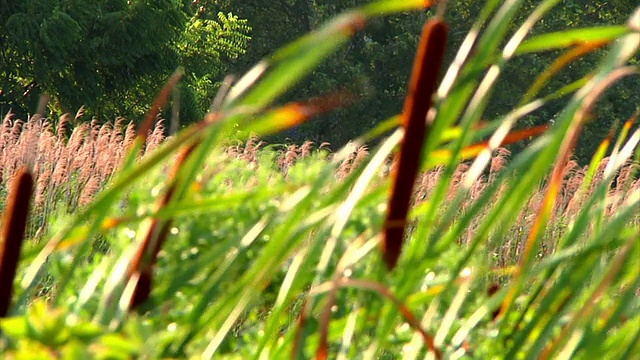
(15, 327)
(568, 38)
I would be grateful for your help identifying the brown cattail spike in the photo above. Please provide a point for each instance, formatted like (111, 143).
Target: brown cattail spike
(14, 225)
(147, 254)
(423, 83)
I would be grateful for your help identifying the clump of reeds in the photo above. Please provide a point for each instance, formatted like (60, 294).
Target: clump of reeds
(70, 165)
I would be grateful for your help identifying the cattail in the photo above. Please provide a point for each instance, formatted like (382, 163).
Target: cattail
(423, 83)
(491, 291)
(146, 257)
(14, 225)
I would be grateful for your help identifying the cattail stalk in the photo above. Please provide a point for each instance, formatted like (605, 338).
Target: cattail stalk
(423, 83)
(147, 254)
(14, 225)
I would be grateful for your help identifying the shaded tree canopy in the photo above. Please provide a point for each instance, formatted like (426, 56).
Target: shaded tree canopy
(377, 63)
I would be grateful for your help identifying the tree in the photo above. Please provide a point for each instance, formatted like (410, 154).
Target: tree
(111, 55)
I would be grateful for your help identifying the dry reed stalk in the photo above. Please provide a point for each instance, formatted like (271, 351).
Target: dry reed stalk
(14, 226)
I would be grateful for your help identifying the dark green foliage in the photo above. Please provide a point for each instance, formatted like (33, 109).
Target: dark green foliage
(377, 63)
(111, 56)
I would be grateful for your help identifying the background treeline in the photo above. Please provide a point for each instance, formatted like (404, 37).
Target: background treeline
(112, 57)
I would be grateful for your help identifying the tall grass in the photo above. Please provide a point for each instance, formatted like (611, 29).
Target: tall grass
(84, 160)
(195, 246)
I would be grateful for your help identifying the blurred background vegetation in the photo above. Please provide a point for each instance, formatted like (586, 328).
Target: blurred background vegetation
(112, 56)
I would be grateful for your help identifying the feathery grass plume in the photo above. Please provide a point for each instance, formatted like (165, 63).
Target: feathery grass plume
(116, 141)
(574, 184)
(306, 148)
(456, 180)
(361, 153)
(14, 226)
(16, 129)
(129, 136)
(41, 187)
(345, 167)
(567, 145)
(156, 137)
(95, 127)
(498, 162)
(79, 114)
(426, 183)
(28, 142)
(61, 168)
(47, 147)
(91, 187)
(5, 131)
(63, 123)
(105, 152)
(426, 69)
(288, 158)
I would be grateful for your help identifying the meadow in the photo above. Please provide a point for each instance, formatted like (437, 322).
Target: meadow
(121, 242)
